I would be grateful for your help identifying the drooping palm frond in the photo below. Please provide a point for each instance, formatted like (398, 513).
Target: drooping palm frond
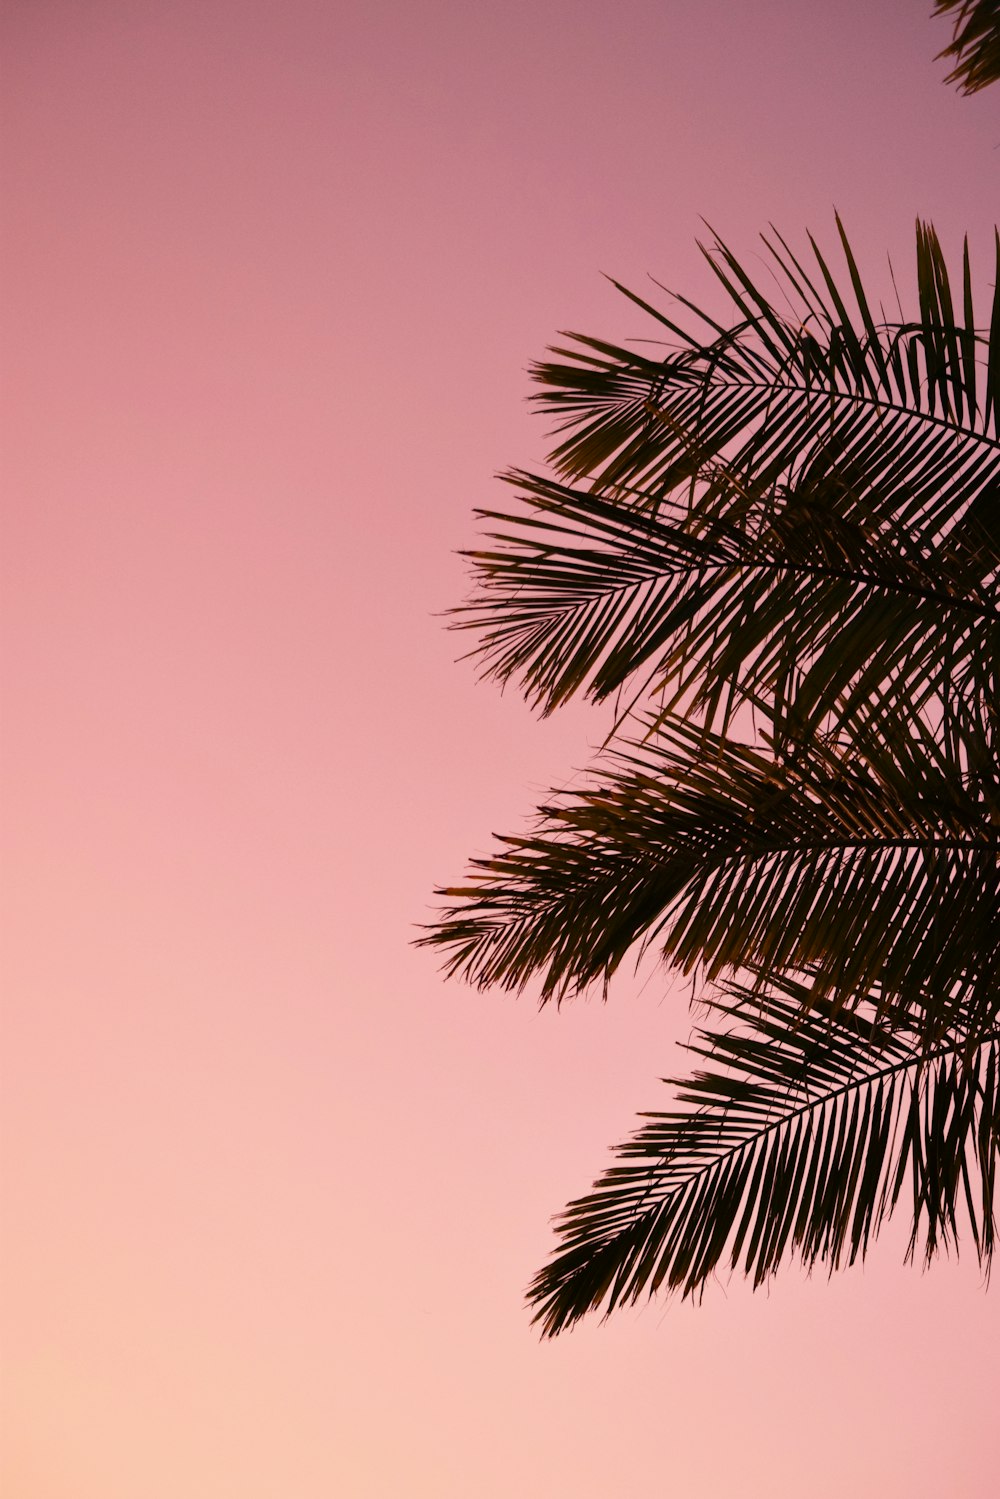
(975, 45)
(833, 477)
(874, 863)
(801, 1136)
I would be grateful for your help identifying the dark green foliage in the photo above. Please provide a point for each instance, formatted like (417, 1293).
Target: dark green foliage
(975, 45)
(777, 546)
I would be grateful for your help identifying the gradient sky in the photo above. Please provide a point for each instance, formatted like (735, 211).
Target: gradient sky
(272, 274)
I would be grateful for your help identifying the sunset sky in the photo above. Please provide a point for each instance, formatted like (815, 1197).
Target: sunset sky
(272, 274)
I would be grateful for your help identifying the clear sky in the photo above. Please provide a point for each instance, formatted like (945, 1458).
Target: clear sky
(273, 270)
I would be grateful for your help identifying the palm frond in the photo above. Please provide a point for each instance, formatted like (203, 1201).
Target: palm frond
(975, 45)
(801, 1136)
(839, 479)
(789, 527)
(875, 868)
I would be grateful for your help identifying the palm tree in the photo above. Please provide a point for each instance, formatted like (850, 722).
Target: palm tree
(975, 44)
(775, 545)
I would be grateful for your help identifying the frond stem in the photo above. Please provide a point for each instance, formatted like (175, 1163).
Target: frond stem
(901, 1065)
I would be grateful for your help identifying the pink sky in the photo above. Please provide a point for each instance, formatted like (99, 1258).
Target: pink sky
(272, 1189)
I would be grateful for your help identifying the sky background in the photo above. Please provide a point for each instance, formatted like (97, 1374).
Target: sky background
(272, 1189)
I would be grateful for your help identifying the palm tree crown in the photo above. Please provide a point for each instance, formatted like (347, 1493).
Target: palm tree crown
(777, 547)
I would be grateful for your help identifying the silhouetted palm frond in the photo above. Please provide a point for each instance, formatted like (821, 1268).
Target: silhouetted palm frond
(831, 477)
(975, 46)
(876, 863)
(805, 1131)
(788, 528)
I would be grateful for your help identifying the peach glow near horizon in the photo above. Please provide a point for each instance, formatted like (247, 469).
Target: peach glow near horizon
(272, 1188)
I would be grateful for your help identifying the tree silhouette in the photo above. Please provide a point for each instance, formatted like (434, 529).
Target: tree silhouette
(775, 545)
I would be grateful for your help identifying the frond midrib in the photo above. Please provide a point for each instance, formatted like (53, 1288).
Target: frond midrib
(819, 570)
(802, 389)
(879, 1074)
